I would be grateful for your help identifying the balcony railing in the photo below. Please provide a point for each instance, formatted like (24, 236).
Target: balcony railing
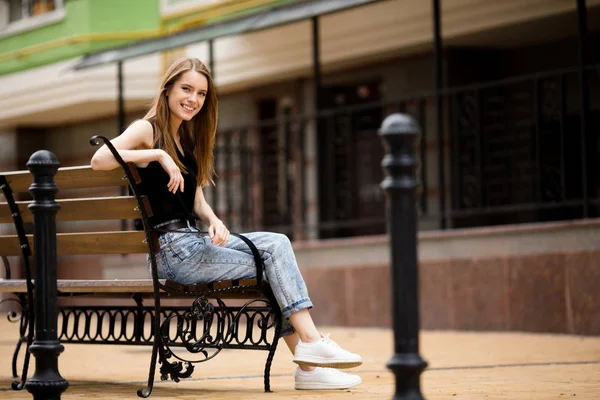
(513, 155)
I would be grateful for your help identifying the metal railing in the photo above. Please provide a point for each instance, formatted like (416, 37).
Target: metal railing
(513, 156)
(517, 150)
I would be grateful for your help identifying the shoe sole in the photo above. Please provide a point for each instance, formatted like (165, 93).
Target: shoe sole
(324, 386)
(329, 364)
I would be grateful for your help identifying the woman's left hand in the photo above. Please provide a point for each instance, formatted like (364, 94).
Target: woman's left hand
(218, 233)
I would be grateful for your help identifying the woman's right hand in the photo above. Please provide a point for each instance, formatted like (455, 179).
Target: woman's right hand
(176, 181)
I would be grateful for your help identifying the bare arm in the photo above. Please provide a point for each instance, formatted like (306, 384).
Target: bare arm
(134, 145)
(202, 208)
(216, 229)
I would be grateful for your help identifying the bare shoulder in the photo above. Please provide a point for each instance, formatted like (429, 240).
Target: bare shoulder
(140, 132)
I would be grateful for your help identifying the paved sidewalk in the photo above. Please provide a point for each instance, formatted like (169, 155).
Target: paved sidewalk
(462, 365)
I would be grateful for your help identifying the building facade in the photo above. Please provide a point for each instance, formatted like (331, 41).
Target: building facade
(509, 200)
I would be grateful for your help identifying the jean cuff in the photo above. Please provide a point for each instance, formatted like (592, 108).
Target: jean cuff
(287, 331)
(296, 306)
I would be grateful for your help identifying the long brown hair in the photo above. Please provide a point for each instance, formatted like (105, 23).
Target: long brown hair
(198, 134)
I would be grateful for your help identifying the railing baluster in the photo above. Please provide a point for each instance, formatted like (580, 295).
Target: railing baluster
(583, 99)
(455, 162)
(562, 122)
(537, 135)
(244, 175)
(302, 194)
(213, 190)
(228, 178)
(481, 141)
(423, 154)
(287, 159)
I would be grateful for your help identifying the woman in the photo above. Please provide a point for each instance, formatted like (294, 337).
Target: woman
(172, 147)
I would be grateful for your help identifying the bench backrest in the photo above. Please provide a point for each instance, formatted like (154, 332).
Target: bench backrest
(71, 240)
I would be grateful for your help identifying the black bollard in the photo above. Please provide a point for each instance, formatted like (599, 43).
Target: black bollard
(46, 383)
(399, 133)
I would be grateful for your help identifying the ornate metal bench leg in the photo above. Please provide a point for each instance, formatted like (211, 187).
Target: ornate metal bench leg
(139, 317)
(156, 332)
(15, 357)
(25, 329)
(22, 330)
(148, 390)
(175, 370)
(25, 336)
(272, 352)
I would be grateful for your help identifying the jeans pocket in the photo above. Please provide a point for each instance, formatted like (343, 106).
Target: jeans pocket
(184, 249)
(163, 269)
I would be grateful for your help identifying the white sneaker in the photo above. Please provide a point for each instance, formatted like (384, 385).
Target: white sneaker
(324, 378)
(325, 353)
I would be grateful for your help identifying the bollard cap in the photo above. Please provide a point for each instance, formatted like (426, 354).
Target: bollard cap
(43, 162)
(399, 124)
(42, 157)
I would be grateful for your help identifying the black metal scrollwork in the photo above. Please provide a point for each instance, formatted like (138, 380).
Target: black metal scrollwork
(202, 326)
(12, 315)
(6, 266)
(202, 308)
(207, 326)
(174, 369)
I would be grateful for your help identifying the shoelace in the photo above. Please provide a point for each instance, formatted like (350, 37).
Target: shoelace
(330, 342)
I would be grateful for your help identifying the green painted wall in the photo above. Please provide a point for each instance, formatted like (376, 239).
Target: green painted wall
(122, 16)
(75, 22)
(92, 17)
(82, 17)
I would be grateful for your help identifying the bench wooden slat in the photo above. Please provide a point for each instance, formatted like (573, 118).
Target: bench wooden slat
(113, 286)
(84, 243)
(82, 177)
(84, 286)
(99, 208)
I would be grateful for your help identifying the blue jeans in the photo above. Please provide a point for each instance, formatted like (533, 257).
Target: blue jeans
(188, 257)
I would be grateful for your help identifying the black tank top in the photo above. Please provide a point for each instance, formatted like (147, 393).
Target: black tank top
(165, 205)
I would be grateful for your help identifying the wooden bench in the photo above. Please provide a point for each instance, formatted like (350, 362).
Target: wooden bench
(203, 328)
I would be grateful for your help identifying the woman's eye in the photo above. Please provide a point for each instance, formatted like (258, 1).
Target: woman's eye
(185, 89)
(202, 94)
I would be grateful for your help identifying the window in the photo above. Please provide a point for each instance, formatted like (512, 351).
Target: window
(21, 15)
(21, 9)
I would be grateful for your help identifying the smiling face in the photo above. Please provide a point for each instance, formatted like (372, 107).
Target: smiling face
(186, 96)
